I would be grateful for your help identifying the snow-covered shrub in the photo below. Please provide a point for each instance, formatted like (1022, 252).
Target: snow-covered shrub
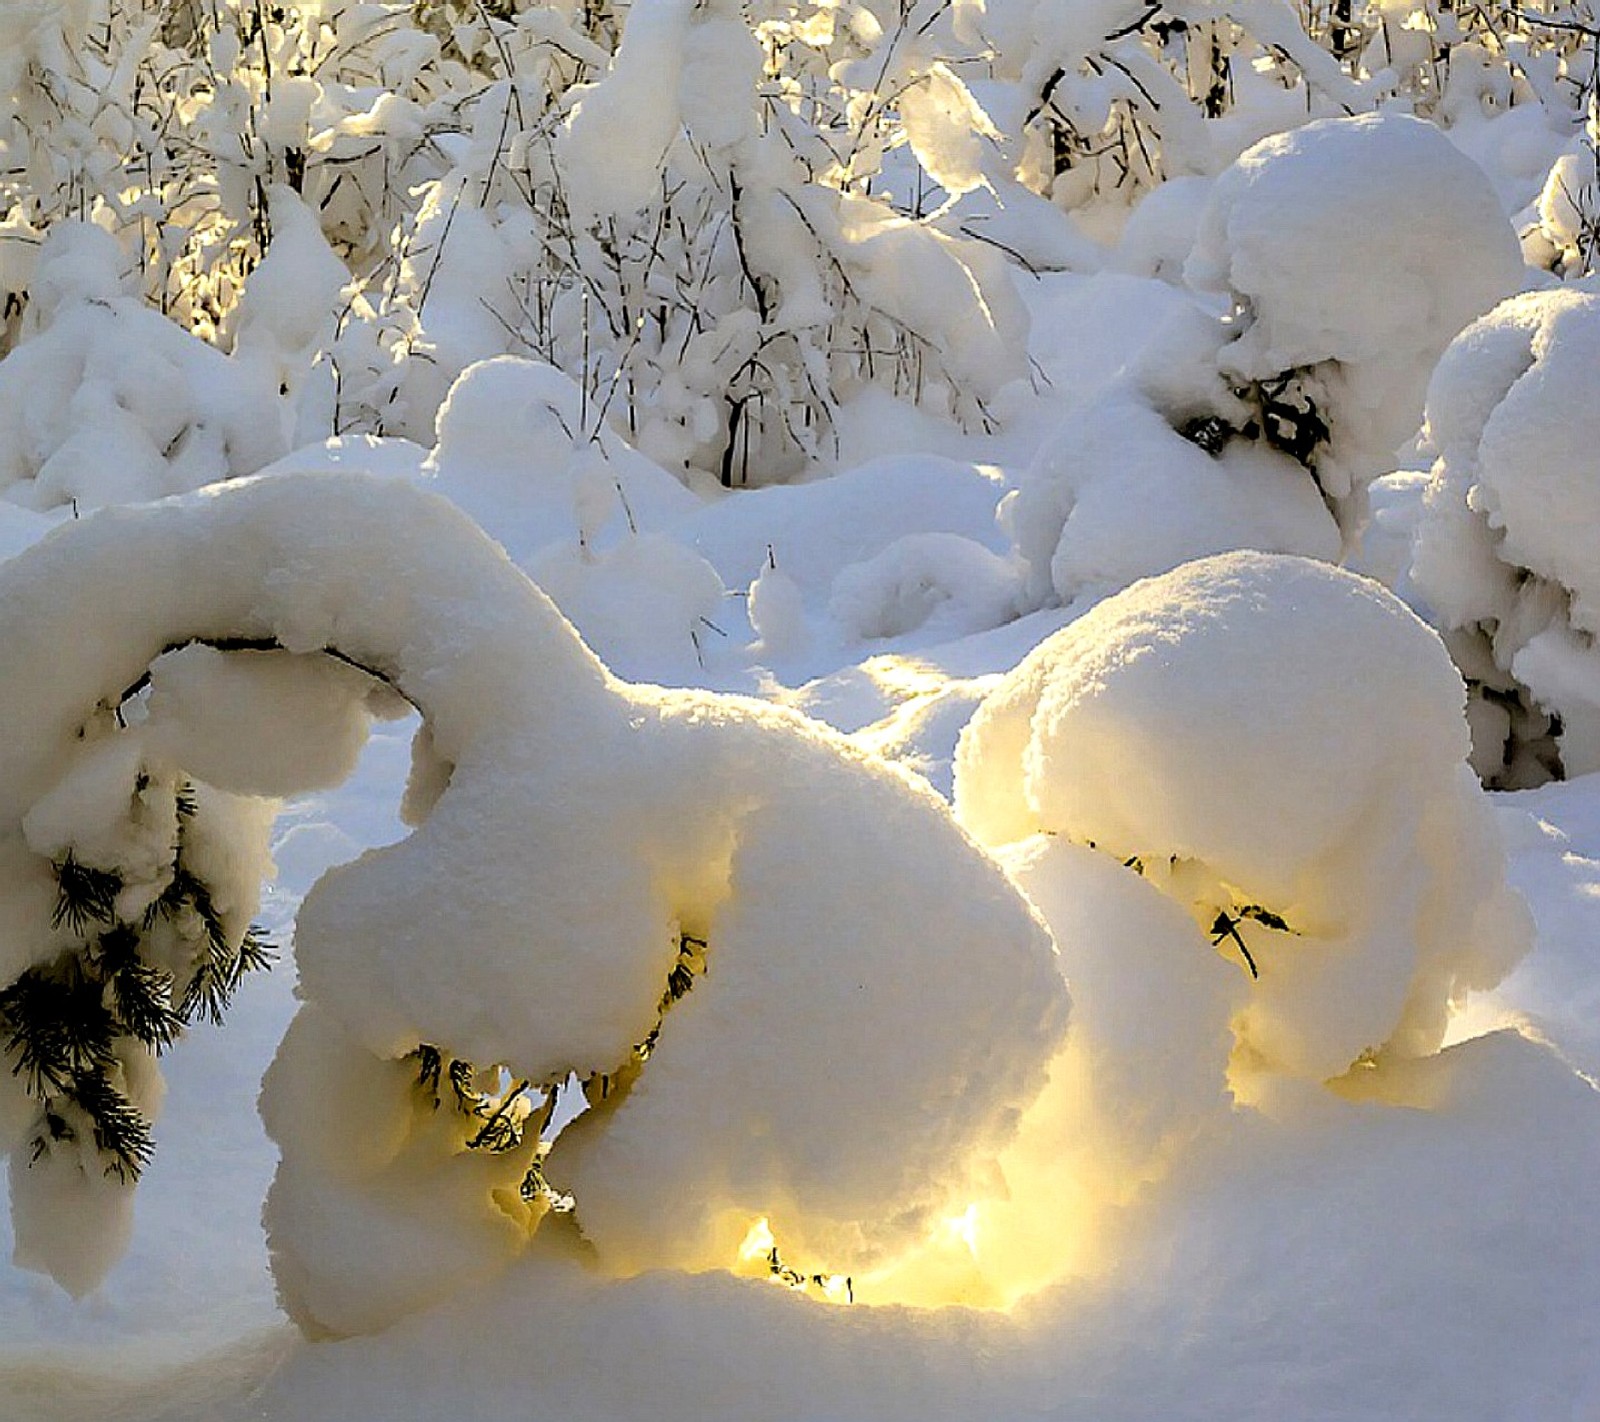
(1569, 209)
(104, 400)
(798, 1000)
(161, 124)
(1353, 250)
(582, 514)
(512, 449)
(1558, 56)
(1505, 551)
(1102, 101)
(1262, 430)
(1147, 475)
(689, 229)
(1278, 746)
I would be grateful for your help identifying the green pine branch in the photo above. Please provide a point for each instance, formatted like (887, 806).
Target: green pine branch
(61, 1022)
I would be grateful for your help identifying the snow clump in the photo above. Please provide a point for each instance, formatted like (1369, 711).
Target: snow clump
(1280, 747)
(1354, 250)
(1147, 476)
(521, 449)
(1505, 547)
(942, 583)
(1569, 208)
(104, 400)
(1263, 429)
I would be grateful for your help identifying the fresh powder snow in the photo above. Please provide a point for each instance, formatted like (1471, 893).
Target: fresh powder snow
(799, 711)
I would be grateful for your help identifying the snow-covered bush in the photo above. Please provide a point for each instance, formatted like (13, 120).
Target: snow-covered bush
(582, 514)
(798, 1000)
(1505, 547)
(1147, 476)
(1100, 102)
(690, 230)
(511, 449)
(1263, 430)
(165, 124)
(104, 400)
(1278, 746)
(1353, 251)
(1569, 209)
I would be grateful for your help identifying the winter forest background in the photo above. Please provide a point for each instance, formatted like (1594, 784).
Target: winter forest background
(851, 710)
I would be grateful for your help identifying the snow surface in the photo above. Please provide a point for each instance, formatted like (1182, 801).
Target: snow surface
(1156, 1207)
(1162, 1247)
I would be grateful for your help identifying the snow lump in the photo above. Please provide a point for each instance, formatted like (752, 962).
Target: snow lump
(1505, 547)
(1279, 746)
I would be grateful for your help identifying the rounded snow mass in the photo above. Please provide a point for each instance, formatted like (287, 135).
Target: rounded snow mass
(803, 996)
(1279, 746)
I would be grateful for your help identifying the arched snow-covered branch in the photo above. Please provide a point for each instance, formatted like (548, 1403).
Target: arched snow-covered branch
(794, 991)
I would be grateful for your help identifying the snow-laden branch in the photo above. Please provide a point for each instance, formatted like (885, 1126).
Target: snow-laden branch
(876, 1001)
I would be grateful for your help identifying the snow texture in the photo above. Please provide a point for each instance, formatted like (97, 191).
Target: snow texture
(1216, 729)
(574, 829)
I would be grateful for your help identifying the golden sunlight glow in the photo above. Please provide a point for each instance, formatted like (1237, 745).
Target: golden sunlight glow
(964, 1227)
(1051, 1212)
(758, 1242)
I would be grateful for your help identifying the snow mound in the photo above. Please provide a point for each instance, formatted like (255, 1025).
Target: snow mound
(1119, 493)
(1218, 730)
(650, 607)
(519, 449)
(1569, 207)
(1505, 545)
(725, 920)
(940, 582)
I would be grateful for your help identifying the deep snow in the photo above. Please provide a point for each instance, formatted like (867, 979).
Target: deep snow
(1186, 1223)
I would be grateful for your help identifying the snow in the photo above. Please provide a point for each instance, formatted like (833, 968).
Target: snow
(1502, 550)
(742, 825)
(1118, 494)
(992, 921)
(106, 401)
(1277, 234)
(1169, 728)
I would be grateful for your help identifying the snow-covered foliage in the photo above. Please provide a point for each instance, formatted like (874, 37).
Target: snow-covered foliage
(107, 401)
(1263, 430)
(1505, 548)
(1215, 730)
(849, 360)
(1353, 252)
(1149, 475)
(695, 906)
(673, 203)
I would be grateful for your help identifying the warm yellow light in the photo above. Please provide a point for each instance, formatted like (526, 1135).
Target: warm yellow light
(1053, 1209)
(758, 1242)
(964, 1227)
